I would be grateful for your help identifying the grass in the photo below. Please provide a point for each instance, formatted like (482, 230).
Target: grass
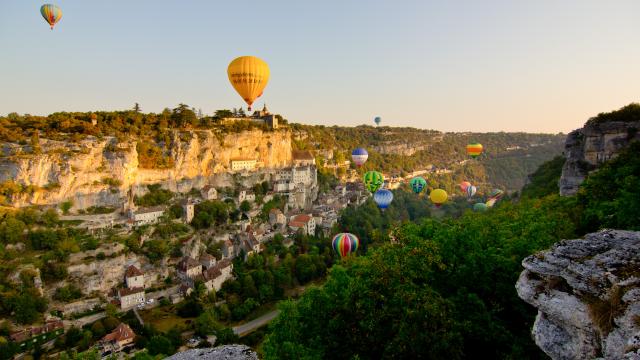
(604, 312)
(164, 318)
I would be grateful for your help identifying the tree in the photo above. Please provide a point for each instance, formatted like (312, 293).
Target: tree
(245, 206)
(183, 116)
(35, 143)
(159, 344)
(11, 230)
(136, 108)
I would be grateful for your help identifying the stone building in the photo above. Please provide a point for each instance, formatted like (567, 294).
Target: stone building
(209, 192)
(130, 297)
(304, 223)
(189, 268)
(243, 164)
(134, 277)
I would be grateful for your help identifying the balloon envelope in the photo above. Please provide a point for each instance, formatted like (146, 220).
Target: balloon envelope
(471, 190)
(474, 150)
(373, 180)
(418, 184)
(345, 243)
(480, 207)
(249, 75)
(377, 120)
(496, 193)
(463, 185)
(438, 196)
(359, 156)
(383, 198)
(51, 14)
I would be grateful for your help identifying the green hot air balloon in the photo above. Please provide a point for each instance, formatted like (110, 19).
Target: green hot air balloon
(373, 180)
(418, 184)
(480, 207)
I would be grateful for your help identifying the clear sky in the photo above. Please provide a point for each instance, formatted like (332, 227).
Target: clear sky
(535, 66)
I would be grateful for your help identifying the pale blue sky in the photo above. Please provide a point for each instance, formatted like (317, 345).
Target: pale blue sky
(536, 66)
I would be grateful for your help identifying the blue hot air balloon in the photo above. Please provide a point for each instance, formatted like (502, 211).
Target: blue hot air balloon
(359, 156)
(377, 120)
(383, 198)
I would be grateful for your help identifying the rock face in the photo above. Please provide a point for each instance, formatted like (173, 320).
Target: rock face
(100, 171)
(226, 352)
(587, 148)
(587, 292)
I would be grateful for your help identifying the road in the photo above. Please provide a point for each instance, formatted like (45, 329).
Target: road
(252, 325)
(79, 323)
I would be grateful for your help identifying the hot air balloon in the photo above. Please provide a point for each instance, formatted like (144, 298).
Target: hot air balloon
(438, 197)
(480, 207)
(359, 156)
(491, 202)
(51, 13)
(373, 180)
(496, 194)
(377, 120)
(383, 198)
(471, 190)
(463, 185)
(474, 150)
(249, 76)
(345, 243)
(418, 184)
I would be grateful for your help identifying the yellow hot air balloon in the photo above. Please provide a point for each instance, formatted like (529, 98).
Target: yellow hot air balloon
(249, 76)
(438, 197)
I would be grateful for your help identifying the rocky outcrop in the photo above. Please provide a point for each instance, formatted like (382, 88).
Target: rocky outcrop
(99, 171)
(226, 352)
(587, 292)
(587, 148)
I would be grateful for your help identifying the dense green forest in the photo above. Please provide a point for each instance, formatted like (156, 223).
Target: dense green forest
(446, 290)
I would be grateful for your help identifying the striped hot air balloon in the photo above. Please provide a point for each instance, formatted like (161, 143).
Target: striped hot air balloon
(51, 13)
(471, 190)
(373, 180)
(359, 156)
(474, 150)
(383, 198)
(418, 184)
(345, 244)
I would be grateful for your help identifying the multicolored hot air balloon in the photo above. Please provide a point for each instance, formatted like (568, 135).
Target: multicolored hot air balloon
(373, 180)
(51, 13)
(383, 198)
(359, 156)
(377, 120)
(418, 184)
(496, 194)
(249, 75)
(471, 190)
(345, 243)
(463, 185)
(438, 197)
(491, 202)
(480, 207)
(474, 150)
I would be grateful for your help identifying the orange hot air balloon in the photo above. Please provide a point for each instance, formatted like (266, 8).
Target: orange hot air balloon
(249, 75)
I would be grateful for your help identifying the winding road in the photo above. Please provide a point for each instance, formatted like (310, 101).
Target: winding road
(254, 324)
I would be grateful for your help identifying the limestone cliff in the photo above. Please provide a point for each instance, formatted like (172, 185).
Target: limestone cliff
(587, 148)
(100, 171)
(587, 292)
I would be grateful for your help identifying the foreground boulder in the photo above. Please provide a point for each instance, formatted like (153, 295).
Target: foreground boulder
(225, 352)
(587, 292)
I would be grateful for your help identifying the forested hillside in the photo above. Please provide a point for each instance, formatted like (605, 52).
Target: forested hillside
(447, 289)
(507, 159)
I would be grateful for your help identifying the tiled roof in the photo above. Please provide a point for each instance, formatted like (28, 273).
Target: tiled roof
(301, 218)
(128, 291)
(187, 263)
(302, 155)
(133, 271)
(121, 333)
